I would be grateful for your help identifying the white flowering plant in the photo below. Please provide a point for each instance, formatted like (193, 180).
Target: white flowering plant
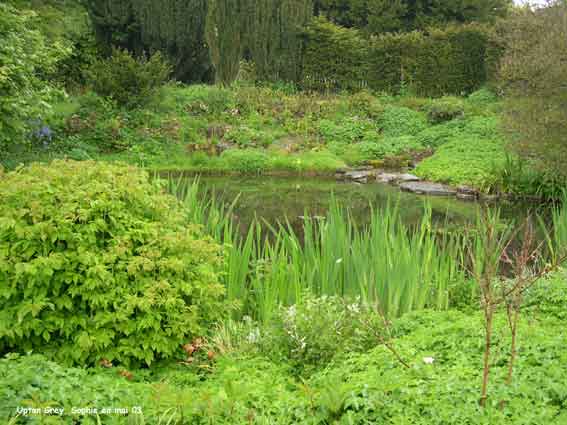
(316, 330)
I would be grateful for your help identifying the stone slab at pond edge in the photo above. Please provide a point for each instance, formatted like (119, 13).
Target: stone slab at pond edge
(396, 178)
(428, 188)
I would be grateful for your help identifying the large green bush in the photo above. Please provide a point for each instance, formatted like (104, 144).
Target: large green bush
(128, 80)
(445, 109)
(334, 57)
(96, 262)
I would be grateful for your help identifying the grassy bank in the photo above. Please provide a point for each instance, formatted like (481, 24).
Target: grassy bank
(258, 130)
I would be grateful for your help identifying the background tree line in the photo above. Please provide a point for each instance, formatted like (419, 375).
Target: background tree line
(205, 40)
(379, 16)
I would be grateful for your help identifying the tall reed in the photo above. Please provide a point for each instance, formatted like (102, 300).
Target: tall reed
(385, 263)
(557, 236)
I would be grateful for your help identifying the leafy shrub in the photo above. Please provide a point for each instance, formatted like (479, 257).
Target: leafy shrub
(482, 127)
(445, 109)
(549, 296)
(205, 100)
(367, 104)
(308, 335)
(371, 150)
(347, 131)
(246, 136)
(481, 97)
(245, 160)
(129, 81)
(25, 58)
(400, 121)
(84, 53)
(388, 146)
(110, 270)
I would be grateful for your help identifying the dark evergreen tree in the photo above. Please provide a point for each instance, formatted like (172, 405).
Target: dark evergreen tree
(385, 16)
(177, 28)
(174, 27)
(377, 16)
(273, 36)
(114, 24)
(224, 37)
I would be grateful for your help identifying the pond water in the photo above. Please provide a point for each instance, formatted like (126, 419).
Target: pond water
(274, 199)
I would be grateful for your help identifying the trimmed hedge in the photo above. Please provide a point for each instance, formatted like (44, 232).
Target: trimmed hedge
(455, 60)
(334, 57)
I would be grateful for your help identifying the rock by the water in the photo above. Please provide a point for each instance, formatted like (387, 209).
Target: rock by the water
(386, 177)
(408, 178)
(467, 196)
(490, 198)
(428, 188)
(467, 193)
(359, 176)
(396, 178)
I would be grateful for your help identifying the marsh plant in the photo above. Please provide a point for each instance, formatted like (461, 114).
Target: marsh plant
(402, 267)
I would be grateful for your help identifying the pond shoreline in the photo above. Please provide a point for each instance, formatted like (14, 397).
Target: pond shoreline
(400, 178)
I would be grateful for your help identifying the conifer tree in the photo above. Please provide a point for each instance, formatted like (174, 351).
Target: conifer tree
(273, 39)
(174, 27)
(224, 38)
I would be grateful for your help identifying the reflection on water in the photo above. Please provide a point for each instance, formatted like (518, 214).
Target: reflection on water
(274, 199)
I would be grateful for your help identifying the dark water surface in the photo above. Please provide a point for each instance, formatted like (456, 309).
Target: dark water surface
(274, 199)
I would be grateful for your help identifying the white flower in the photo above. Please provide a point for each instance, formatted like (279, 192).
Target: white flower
(339, 261)
(428, 360)
(254, 336)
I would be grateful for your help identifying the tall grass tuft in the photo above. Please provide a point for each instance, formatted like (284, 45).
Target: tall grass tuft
(386, 263)
(557, 237)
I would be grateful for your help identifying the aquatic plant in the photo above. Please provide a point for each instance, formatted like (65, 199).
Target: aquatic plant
(395, 267)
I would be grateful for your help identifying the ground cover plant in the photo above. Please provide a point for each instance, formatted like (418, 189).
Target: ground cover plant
(246, 385)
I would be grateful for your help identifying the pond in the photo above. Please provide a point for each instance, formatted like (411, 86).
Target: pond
(274, 199)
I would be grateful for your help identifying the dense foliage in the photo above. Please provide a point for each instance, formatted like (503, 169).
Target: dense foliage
(26, 57)
(533, 74)
(340, 58)
(116, 295)
(110, 270)
(176, 28)
(127, 80)
(271, 35)
(248, 383)
(379, 16)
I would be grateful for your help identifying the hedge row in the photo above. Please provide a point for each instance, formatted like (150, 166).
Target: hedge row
(454, 60)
